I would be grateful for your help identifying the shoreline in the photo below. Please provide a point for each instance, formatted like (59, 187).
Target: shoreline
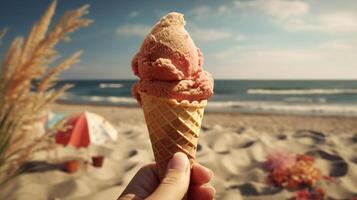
(326, 110)
(261, 121)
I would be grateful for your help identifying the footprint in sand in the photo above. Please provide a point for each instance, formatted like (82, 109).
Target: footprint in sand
(199, 147)
(130, 167)
(132, 153)
(128, 132)
(246, 144)
(281, 137)
(255, 189)
(354, 160)
(68, 187)
(354, 138)
(205, 128)
(338, 166)
(222, 144)
(240, 130)
(339, 169)
(314, 137)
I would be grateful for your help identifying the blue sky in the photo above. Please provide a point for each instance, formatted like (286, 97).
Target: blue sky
(240, 39)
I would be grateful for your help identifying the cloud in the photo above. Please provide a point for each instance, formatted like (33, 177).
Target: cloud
(98, 71)
(200, 34)
(241, 37)
(133, 14)
(329, 60)
(129, 30)
(295, 15)
(275, 8)
(335, 23)
(208, 35)
(337, 45)
(200, 11)
(222, 9)
(204, 11)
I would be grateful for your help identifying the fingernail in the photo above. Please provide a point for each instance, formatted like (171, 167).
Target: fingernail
(178, 162)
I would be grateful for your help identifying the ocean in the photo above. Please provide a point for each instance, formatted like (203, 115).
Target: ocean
(320, 97)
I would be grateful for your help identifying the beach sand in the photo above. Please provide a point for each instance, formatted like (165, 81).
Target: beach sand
(234, 146)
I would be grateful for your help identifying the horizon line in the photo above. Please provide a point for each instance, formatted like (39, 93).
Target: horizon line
(218, 79)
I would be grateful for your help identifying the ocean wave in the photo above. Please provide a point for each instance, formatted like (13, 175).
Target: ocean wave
(301, 91)
(305, 100)
(110, 85)
(111, 100)
(283, 108)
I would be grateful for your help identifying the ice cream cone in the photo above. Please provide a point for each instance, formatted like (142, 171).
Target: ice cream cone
(173, 126)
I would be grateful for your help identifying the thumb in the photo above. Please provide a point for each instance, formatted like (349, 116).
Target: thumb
(176, 181)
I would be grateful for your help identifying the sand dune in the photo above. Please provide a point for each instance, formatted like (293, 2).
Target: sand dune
(234, 146)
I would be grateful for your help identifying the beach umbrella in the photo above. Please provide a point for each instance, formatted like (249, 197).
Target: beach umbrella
(86, 128)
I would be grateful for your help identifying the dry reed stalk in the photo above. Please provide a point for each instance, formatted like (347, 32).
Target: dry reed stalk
(27, 86)
(2, 33)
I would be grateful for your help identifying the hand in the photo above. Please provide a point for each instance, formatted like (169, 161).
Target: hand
(178, 180)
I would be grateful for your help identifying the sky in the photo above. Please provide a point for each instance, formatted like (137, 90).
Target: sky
(240, 39)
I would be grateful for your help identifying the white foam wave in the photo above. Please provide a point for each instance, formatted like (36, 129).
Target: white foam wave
(110, 99)
(301, 91)
(93, 98)
(283, 108)
(113, 99)
(110, 85)
(98, 99)
(306, 100)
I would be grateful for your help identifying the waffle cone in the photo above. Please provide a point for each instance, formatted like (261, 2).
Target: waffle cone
(173, 126)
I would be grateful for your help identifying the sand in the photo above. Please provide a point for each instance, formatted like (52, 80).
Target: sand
(234, 146)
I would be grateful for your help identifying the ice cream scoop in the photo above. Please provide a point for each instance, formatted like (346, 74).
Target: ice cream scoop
(169, 64)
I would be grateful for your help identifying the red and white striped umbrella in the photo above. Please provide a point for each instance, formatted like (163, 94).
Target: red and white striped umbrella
(86, 128)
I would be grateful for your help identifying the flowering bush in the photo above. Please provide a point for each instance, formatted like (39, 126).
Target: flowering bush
(314, 194)
(293, 172)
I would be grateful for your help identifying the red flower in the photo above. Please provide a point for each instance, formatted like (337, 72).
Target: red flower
(305, 158)
(302, 195)
(315, 194)
(279, 176)
(280, 159)
(289, 171)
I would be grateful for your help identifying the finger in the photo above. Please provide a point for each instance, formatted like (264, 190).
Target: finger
(176, 181)
(202, 192)
(200, 174)
(144, 182)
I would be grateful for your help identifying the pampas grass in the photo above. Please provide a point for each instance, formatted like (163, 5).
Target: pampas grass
(2, 33)
(26, 86)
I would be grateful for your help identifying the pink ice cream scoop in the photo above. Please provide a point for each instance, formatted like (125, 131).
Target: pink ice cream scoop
(169, 64)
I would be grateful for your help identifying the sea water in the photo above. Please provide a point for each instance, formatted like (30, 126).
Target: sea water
(332, 97)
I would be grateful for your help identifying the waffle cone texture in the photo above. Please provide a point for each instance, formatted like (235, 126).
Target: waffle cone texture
(173, 126)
